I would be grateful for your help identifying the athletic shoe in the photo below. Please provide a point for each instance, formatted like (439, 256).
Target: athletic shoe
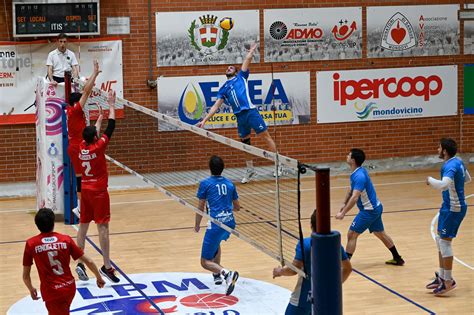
(81, 272)
(217, 278)
(444, 287)
(435, 283)
(230, 279)
(396, 262)
(77, 212)
(109, 274)
(249, 174)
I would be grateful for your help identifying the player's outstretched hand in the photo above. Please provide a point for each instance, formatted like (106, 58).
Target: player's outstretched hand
(111, 97)
(253, 47)
(201, 124)
(34, 294)
(96, 66)
(100, 282)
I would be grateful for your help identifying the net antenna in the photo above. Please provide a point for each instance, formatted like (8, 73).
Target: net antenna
(274, 232)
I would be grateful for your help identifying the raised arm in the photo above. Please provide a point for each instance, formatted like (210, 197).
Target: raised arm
(248, 58)
(111, 122)
(98, 123)
(89, 84)
(211, 113)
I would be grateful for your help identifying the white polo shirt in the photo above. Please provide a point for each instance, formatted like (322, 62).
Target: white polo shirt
(61, 62)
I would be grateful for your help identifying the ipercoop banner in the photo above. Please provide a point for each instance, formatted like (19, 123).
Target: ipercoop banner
(377, 94)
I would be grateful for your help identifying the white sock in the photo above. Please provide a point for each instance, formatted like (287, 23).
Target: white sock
(249, 164)
(448, 274)
(441, 273)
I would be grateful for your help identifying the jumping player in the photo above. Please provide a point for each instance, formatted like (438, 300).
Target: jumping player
(235, 93)
(95, 203)
(363, 194)
(51, 253)
(222, 199)
(452, 212)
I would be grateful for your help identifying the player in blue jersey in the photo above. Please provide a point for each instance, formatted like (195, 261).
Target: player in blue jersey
(222, 199)
(235, 93)
(452, 212)
(363, 194)
(300, 300)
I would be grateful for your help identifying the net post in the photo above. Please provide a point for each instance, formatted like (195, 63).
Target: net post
(326, 279)
(323, 219)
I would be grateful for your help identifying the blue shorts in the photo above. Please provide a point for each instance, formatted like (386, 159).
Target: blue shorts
(449, 222)
(248, 120)
(212, 240)
(368, 219)
(298, 310)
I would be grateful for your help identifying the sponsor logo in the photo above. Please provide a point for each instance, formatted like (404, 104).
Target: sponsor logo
(398, 33)
(207, 36)
(173, 293)
(53, 150)
(49, 240)
(363, 112)
(342, 30)
(7, 75)
(279, 31)
(391, 87)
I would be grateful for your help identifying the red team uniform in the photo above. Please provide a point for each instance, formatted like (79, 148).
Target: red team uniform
(76, 122)
(51, 253)
(95, 203)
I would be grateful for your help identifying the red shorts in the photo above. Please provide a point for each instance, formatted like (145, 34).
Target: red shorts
(60, 306)
(95, 205)
(73, 152)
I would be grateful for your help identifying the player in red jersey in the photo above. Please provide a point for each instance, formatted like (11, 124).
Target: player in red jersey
(51, 253)
(95, 203)
(76, 122)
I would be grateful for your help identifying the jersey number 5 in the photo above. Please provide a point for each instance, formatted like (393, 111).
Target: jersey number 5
(55, 264)
(87, 166)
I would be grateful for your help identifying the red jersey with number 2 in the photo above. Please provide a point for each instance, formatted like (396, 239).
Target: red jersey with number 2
(51, 254)
(94, 165)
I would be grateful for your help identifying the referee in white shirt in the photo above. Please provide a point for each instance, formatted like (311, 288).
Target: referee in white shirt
(61, 60)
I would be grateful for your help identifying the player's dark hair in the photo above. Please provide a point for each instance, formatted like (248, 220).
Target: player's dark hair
(313, 221)
(358, 155)
(89, 133)
(449, 145)
(74, 98)
(216, 165)
(44, 220)
(62, 35)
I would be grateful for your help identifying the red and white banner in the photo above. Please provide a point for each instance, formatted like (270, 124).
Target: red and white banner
(22, 62)
(377, 94)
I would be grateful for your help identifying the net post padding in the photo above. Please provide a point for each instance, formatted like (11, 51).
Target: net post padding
(323, 215)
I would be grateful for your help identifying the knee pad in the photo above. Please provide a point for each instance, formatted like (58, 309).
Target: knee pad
(78, 184)
(246, 141)
(437, 239)
(445, 248)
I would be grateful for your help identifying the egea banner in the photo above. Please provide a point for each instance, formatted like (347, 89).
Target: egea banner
(190, 98)
(205, 37)
(377, 94)
(173, 293)
(49, 147)
(404, 31)
(22, 62)
(313, 34)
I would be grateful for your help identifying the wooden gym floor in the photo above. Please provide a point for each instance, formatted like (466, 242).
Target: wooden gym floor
(151, 233)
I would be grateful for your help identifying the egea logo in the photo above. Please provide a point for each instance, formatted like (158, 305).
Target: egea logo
(49, 240)
(391, 87)
(173, 293)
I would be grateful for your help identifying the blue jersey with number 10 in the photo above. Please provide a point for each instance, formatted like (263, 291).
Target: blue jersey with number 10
(220, 194)
(235, 92)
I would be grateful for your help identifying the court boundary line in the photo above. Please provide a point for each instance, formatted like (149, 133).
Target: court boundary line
(124, 275)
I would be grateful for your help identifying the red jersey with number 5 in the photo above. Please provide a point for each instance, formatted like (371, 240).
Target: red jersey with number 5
(94, 165)
(76, 122)
(51, 254)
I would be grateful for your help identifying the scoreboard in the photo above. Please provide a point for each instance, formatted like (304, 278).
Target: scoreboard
(32, 19)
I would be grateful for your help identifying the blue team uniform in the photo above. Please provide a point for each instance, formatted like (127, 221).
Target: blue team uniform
(235, 93)
(220, 194)
(300, 302)
(454, 207)
(370, 208)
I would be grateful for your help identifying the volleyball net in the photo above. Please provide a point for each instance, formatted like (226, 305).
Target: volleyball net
(173, 156)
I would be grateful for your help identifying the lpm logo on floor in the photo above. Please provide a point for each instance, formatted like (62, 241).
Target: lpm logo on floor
(173, 293)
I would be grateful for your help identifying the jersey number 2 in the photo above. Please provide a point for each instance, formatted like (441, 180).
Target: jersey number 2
(87, 166)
